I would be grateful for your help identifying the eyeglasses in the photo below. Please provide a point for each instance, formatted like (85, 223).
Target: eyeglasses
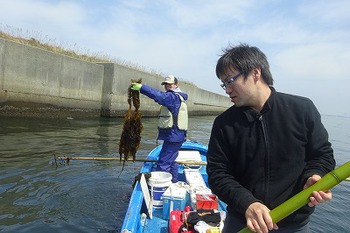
(228, 82)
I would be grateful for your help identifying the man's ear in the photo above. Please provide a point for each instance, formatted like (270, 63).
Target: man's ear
(256, 74)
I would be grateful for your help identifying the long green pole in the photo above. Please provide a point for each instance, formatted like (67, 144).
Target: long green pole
(328, 181)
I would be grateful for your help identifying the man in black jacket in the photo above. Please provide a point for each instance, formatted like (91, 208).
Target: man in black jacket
(265, 148)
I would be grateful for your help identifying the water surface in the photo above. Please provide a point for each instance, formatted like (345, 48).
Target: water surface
(92, 196)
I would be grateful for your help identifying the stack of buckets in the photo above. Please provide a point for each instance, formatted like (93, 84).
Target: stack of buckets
(158, 183)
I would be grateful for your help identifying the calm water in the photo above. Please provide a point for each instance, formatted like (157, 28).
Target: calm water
(92, 196)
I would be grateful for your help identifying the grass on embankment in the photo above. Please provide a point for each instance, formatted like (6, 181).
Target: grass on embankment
(37, 40)
(46, 43)
(50, 46)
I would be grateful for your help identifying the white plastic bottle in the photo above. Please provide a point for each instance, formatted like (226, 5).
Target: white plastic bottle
(143, 219)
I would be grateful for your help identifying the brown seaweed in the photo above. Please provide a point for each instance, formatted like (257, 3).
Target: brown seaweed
(131, 135)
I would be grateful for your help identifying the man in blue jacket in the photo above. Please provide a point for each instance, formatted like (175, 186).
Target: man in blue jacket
(265, 148)
(172, 123)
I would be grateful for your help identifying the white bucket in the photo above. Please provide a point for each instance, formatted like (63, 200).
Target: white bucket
(158, 183)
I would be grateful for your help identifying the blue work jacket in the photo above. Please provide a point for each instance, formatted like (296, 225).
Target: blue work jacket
(172, 101)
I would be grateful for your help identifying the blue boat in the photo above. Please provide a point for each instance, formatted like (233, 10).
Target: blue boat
(142, 218)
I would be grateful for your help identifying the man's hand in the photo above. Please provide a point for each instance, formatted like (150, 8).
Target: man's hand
(259, 219)
(317, 197)
(136, 86)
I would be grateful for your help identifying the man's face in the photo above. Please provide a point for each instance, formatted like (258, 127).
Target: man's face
(169, 86)
(240, 90)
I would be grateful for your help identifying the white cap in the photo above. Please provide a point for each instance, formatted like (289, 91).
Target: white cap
(170, 79)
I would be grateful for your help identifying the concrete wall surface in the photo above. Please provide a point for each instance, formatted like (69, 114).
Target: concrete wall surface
(117, 79)
(38, 82)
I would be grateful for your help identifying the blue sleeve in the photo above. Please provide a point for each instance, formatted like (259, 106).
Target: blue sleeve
(167, 99)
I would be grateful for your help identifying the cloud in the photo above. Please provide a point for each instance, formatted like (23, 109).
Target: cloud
(315, 61)
(327, 12)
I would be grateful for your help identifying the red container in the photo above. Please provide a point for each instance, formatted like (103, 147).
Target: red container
(207, 201)
(176, 222)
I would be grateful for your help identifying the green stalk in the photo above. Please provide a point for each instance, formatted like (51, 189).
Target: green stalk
(327, 182)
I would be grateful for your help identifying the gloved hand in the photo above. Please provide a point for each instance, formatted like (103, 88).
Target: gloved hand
(136, 86)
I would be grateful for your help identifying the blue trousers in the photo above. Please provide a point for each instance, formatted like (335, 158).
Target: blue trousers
(167, 156)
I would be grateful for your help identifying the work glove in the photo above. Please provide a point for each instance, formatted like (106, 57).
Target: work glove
(136, 86)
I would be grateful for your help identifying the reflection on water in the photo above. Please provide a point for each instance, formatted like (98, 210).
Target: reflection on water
(88, 196)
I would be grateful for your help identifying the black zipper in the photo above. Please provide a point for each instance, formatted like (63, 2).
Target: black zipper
(267, 161)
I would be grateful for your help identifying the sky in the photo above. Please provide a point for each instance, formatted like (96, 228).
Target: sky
(306, 42)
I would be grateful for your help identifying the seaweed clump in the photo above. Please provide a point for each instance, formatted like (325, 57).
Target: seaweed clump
(131, 135)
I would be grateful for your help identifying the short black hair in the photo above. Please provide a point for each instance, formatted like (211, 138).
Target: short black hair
(244, 58)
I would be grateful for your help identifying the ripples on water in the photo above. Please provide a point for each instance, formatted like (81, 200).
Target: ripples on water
(88, 196)
(334, 216)
(83, 197)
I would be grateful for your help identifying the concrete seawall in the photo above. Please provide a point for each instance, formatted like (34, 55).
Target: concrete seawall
(36, 82)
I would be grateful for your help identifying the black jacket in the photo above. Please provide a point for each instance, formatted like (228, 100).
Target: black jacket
(268, 156)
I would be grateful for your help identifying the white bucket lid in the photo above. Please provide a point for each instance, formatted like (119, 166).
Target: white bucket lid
(160, 179)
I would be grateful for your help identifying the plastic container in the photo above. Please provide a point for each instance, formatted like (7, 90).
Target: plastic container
(158, 183)
(207, 201)
(176, 197)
